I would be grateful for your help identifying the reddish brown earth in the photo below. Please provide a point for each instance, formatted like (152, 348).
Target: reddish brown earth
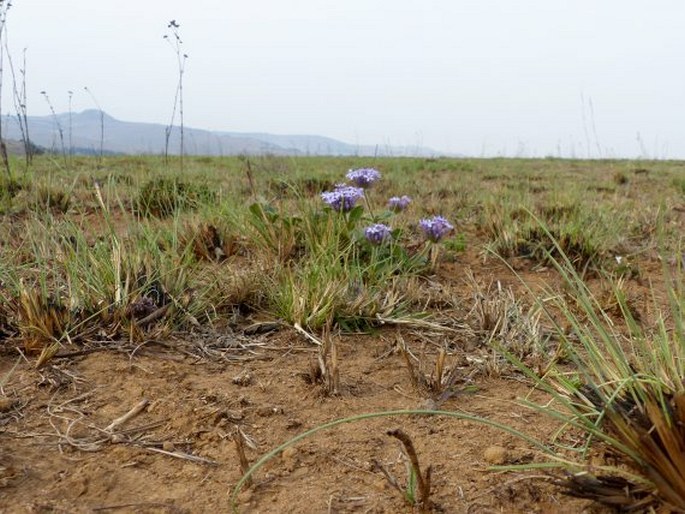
(56, 455)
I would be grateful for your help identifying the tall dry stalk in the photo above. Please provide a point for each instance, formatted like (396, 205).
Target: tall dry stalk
(58, 124)
(102, 122)
(174, 39)
(19, 99)
(4, 7)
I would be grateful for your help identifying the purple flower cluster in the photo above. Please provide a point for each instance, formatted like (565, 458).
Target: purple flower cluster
(343, 198)
(377, 233)
(363, 177)
(435, 228)
(397, 203)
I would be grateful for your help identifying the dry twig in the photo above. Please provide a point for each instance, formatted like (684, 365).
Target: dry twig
(140, 407)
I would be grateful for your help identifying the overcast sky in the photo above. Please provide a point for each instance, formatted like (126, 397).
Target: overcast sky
(477, 77)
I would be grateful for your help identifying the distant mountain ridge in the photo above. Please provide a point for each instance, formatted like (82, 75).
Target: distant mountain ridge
(82, 132)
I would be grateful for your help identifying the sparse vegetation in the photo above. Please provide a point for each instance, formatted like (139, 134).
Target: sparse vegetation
(560, 278)
(162, 197)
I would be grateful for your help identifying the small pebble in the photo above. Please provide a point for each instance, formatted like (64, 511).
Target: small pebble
(380, 484)
(289, 453)
(495, 455)
(289, 458)
(429, 404)
(267, 410)
(6, 404)
(244, 379)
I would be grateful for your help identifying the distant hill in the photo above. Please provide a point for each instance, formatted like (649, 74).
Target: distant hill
(124, 137)
(15, 147)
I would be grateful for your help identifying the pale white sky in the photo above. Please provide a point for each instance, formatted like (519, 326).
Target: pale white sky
(477, 77)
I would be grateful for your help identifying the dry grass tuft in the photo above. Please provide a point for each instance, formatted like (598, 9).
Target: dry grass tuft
(507, 329)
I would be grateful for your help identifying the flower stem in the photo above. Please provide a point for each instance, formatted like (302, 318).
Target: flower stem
(434, 256)
(370, 209)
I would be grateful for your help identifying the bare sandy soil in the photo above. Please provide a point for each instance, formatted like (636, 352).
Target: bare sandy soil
(59, 452)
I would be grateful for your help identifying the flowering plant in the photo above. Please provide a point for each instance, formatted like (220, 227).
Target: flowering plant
(377, 233)
(343, 198)
(399, 203)
(435, 228)
(363, 177)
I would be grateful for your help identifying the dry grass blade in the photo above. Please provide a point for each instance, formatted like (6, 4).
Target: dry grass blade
(418, 380)
(657, 436)
(324, 370)
(184, 456)
(135, 507)
(388, 476)
(439, 370)
(154, 316)
(615, 492)
(414, 323)
(333, 384)
(5, 380)
(47, 354)
(440, 384)
(306, 334)
(239, 440)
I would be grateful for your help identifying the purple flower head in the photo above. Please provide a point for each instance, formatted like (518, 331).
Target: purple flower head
(397, 203)
(363, 177)
(435, 228)
(343, 198)
(377, 233)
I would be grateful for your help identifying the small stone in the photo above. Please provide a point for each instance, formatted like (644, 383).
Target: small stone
(6, 404)
(496, 455)
(381, 484)
(429, 404)
(293, 424)
(289, 458)
(168, 446)
(269, 410)
(244, 379)
(300, 471)
(289, 453)
(245, 497)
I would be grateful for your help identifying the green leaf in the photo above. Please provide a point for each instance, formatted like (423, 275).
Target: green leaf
(354, 216)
